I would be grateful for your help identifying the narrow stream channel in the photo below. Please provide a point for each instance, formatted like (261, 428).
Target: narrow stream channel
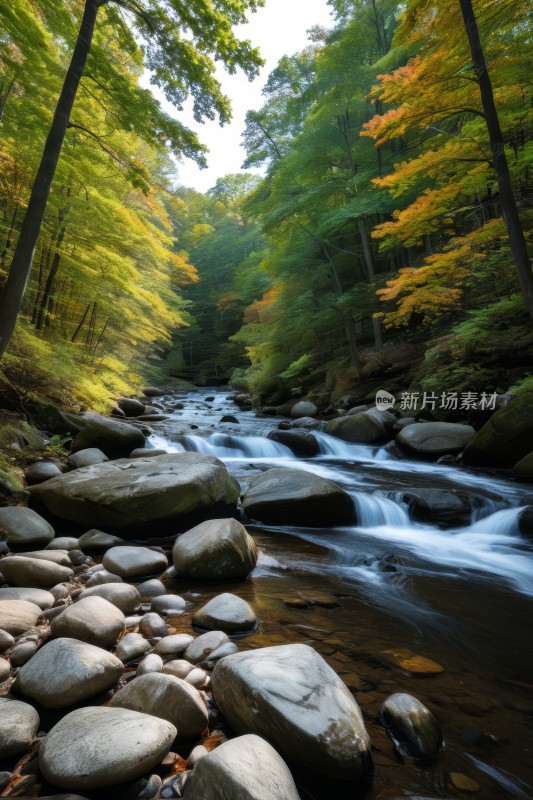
(462, 596)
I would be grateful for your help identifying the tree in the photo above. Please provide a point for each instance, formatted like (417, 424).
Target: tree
(513, 223)
(179, 65)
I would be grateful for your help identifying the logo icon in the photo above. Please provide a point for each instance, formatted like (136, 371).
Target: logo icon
(384, 400)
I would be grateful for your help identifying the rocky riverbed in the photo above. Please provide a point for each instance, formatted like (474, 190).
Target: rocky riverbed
(246, 660)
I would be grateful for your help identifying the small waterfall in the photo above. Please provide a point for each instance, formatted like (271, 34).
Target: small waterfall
(374, 511)
(501, 523)
(226, 446)
(331, 446)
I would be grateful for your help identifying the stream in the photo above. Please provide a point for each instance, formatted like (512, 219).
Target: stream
(462, 597)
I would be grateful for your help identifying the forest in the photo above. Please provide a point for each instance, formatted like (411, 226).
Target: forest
(370, 246)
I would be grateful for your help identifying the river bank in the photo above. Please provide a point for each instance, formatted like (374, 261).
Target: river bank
(361, 594)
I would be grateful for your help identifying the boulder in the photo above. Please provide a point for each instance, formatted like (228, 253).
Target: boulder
(18, 616)
(247, 768)
(96, 541)
(137, 493)
(65, 671)
(130, 562)
(121, 595)
(92, 619)
(86, 458)
(304, 408)
(166, 697)
(441, 507)
(19, 723)
(34, 572)
(434, 439)
(301, 444)
(41, 471)
(39, 597)
(362, 428)
(131, 407)
(112, 437)
(284, 410)
(77, 754)
(295, 497)
(506, 438)
(291, 697)
(218, 548)
(22, 526)
(226, 612)
(411, 726)
(230, 418)
(523, 469)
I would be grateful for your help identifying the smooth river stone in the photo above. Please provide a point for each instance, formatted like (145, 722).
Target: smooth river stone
(131, 646)
(95, 747)
(21, 571)
(40, 597)
(289, 695)
(98, 541)
(102, 576)
(92, 619)
(411, 726)
(247, 768)
(66, 671)
(218, 548)
(204, 645)
(165, 697)
(174, 645)
(24, 526)
(122, 595)
(150, 589)
(18, 616)
(130, 562)
(168, 604)
(63, 543)
(410, 662)
(19, 722)
(60, 557)
(5, 670)
(226, 612)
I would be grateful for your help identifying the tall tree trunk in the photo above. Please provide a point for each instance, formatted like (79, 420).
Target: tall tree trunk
(48, 289)
(13, 294)
(9, 238)
(369, 262)
(513, 224)
(349, 323)
(80, 326)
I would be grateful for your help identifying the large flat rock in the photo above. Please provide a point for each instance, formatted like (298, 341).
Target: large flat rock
(136, 493)
(292, 698)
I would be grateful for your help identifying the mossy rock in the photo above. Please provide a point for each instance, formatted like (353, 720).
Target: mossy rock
(523, 470)
(506, 438)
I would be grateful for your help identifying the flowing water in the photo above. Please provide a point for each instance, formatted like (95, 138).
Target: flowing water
(462, 596)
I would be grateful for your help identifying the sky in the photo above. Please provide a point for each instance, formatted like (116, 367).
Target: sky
(279, 28)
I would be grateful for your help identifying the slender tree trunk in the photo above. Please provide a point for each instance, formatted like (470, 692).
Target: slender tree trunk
(80, 326)
(517, 239)
(48, 289)
(9, 238)
(4, 94)
(13, 294)
(369, 262)
(349, 323)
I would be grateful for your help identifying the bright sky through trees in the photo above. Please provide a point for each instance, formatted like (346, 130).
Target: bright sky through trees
(279, 28)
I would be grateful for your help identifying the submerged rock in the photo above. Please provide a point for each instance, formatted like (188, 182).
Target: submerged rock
(218, 548)
(295, 497)
(411, 726)
(134, 494)
(77, 754)
(247, 768)
(289, 695)
(438, 506)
